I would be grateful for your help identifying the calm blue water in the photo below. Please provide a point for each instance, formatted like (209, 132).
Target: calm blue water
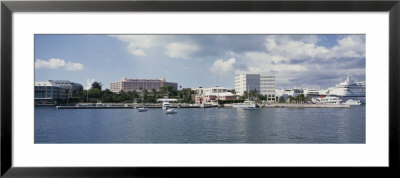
(211, 125)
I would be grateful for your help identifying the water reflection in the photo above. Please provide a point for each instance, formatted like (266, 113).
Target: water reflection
(211, 125)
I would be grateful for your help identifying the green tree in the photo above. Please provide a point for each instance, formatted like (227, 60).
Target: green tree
(244, 96)
(145, 95)
(281, 99)
(97, 85)
(107, 96)
(291, 99)
(300, 98)
(133, 95)
(186, 95)
(95, 93)
(154, 92)
(253, 93)
(260, 97)
(168, 90)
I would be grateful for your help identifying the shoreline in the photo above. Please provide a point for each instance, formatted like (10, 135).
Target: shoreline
(275, 105)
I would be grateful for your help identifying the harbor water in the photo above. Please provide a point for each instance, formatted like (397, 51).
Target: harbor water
(198, 125)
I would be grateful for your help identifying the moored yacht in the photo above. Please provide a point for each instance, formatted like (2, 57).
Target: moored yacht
(245, 104)
(352, 102)
(327, 100)
(166, 102)
(171, 111)
(142, 109)
(165, 105)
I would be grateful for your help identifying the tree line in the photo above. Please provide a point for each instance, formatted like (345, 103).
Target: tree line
(95, 94)
(185, 95)
(256, 96)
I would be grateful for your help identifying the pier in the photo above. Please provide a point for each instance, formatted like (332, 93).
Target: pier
(129, 106)
(286, 105)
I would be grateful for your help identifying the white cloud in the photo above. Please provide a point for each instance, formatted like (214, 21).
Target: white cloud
(352, 46)
(293, 49)
(174, 48)
(89, 83)
(263, 58)
(51, 63)
(138, 52)
(180, 50)
(141, 41)
(220, 65)
(138, 43)
(302, 58)
(56, 63)
(73, 66)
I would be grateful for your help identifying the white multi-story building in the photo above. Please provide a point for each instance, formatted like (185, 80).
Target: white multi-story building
(263, 83)
(267, 84)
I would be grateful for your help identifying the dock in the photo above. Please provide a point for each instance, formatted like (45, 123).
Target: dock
(270, 105)
(287, 105)
(126, 106)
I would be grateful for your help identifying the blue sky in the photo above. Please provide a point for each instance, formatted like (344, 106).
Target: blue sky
(308, 61)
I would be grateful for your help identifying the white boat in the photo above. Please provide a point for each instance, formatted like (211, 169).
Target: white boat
(99, 103)
(142, 109)
(250, 108)
(349, 89)
(166, 102)
(171, 111)
(327, 100)
(245, 104)
(352, 102)
(165, 105)
(205, 105)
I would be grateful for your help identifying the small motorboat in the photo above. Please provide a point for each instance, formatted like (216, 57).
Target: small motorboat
(171, 111)
(142, 109)
(250, 108)
(353, 102)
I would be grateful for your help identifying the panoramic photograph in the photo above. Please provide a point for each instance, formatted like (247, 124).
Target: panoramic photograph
(200, 89)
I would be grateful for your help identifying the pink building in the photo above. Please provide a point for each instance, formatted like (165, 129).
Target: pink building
(140, 84)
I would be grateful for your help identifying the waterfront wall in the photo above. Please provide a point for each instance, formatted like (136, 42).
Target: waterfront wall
(275, 105)
(286, 105)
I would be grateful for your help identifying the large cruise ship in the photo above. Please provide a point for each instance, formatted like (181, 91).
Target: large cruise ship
(349, 89)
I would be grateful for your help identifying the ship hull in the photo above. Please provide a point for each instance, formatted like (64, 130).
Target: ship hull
(345, 98)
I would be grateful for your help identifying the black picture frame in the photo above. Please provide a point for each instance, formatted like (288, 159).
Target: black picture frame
(8, 7)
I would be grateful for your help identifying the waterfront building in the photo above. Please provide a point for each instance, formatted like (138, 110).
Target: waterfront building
(263, 83)
(311, 92)
(72, 88)
(208, 95)
(140, 84)
(294, 92)
(199, 91)
(47, 92)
